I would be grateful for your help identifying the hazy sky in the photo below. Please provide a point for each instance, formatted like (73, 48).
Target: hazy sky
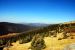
(37, 11)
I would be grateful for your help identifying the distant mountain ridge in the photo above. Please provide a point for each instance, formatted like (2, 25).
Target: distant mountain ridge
(36, 24)
(69, 22)
(7, 27)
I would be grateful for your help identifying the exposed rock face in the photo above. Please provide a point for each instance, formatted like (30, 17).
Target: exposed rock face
(70, 47)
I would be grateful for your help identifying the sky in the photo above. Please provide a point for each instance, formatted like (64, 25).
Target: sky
(37, 11)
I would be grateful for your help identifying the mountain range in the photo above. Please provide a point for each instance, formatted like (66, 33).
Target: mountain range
(7, 27)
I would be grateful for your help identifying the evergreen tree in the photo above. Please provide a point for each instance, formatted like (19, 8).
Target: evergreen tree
(37, 43)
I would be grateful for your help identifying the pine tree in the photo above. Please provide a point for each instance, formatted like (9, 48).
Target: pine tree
(37, 43)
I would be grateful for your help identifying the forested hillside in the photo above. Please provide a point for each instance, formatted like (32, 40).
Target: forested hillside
(60, 31)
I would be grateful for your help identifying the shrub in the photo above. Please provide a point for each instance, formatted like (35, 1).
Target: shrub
(65, 35)
(72, 37)
(1, 42)
(37, 43)
(60, 39)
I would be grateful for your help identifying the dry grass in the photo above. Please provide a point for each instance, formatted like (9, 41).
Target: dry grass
(52, 43)
(9, 35)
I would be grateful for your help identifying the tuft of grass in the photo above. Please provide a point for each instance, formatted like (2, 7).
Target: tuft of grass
(59, 38)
